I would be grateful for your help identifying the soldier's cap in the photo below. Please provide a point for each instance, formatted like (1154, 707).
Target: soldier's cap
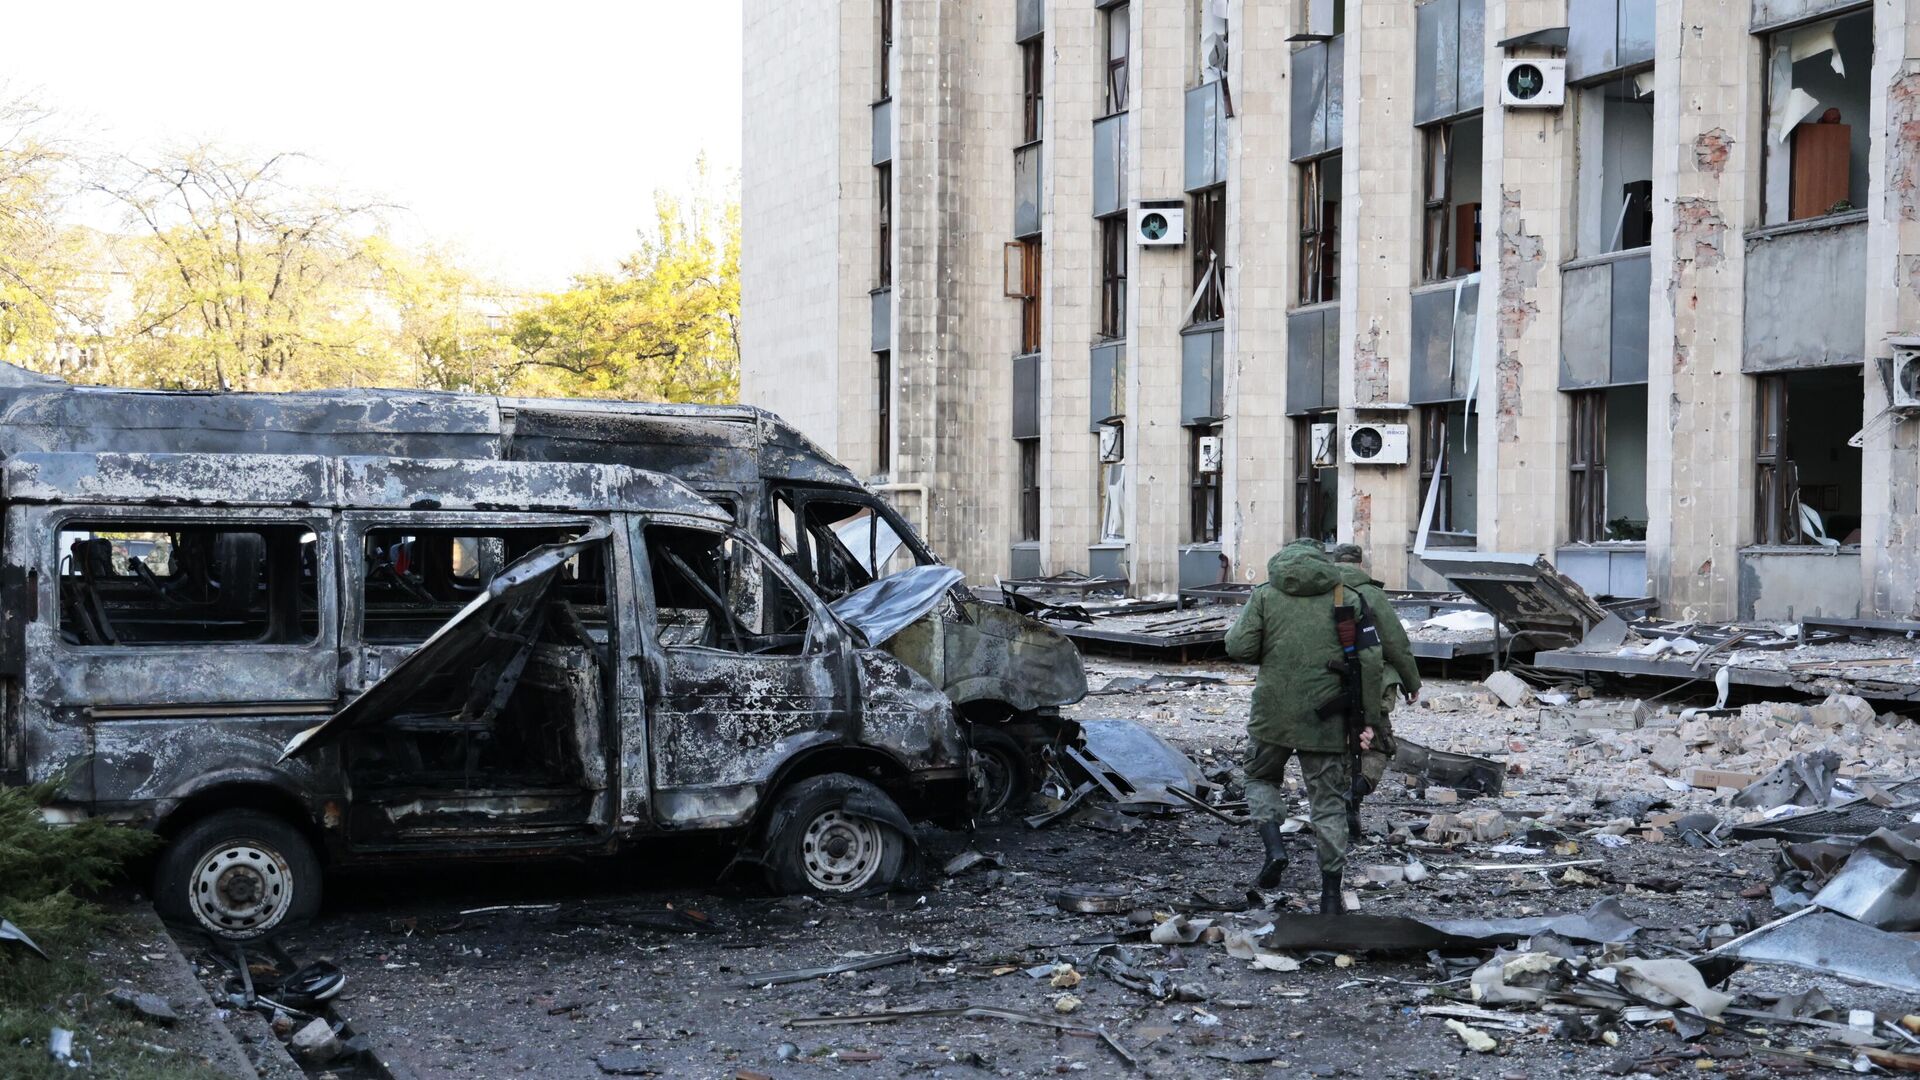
(1348, 553)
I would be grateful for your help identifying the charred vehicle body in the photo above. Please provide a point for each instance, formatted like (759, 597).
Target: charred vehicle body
(1006, 674)
(275, 659)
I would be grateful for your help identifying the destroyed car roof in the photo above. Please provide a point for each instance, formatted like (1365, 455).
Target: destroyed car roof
(345, 482)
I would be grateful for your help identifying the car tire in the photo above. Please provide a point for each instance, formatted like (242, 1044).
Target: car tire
(814, 846)
(238, 875)
(1007, 781)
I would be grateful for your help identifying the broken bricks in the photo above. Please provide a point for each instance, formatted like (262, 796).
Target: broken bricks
(1466, 827)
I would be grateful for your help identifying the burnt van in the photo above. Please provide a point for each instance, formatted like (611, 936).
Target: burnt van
(1007, 675)
(283, 662)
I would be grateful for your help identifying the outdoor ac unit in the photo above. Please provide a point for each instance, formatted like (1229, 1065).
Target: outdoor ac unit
(1113, 444)
(1377, 444)
(1209, 453)
(1533, 84)
(1160, 222)
(1326, 453)
(1906, 377)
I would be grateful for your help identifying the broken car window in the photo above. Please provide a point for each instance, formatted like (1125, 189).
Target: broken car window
(417, 579)
(853, 545)
(181, 583)
(711, 591)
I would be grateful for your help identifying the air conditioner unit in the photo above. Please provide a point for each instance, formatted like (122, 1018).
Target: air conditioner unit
(1160, 222)
(1326, 452)
(1906, 376)
(1209, 453)
(1113, 444)
(1377, 444)
(1533, 84)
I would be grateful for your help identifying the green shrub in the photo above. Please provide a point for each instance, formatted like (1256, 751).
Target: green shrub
(42, 866)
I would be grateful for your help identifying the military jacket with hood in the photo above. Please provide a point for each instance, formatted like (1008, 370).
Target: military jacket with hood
(1402, 667)
(1287, 628)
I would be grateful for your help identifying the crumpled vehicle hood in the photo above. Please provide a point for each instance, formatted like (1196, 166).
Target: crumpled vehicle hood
(895, 602)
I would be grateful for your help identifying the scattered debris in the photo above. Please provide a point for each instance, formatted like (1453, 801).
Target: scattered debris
(864, 963)
(1477, 1041)
(13, 935)
(1817, 940)
(1805, 780)
(1461, 772)
(1094, 899)
(147, 1006)
(1507, 687)
(967, 860)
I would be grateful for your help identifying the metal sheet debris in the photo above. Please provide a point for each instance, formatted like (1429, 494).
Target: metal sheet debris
(1604, 922)
(1823, 942)
(13, 935)
(896, 601)
(1150, 766)
(1524, 592)
(1461, 772)
(1880, 883)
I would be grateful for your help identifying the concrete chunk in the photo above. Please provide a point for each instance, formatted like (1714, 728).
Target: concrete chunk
(1507, 686)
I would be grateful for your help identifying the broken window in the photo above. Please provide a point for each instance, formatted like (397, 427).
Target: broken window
(1615, 189)
(1320, 230)
(1607, 465)
(1447, 452)
(1113, 276)
(1110, 485)
(883, 411)
(711, 591)
(1450, 242)
(1806, 476)
(1029, 490)
(1209, 245)
(1118, 24)
(156, 583)
(1203, 481)
(1020, 273)
(1818, 107)
(1314, 485)
(884, 62)
(883, 225)
(1212, 40)
(1032, 78)
(416, 579)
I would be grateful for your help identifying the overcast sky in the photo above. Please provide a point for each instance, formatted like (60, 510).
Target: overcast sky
(529, 135)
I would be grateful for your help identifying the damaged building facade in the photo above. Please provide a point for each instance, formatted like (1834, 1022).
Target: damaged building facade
(1143, 288)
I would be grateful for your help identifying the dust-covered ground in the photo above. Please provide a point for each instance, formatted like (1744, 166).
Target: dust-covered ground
(576, 979)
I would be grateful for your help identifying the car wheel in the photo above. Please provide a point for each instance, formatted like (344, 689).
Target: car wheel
(816, 844)
(1006, 779)
(238, 874)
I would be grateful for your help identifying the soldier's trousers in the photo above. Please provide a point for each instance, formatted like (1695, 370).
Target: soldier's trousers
(1329, 778)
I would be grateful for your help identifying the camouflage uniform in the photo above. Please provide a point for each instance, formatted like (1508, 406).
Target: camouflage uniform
(1401, 674)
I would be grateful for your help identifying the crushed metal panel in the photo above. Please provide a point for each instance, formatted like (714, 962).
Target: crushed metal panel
(495, 622)
(994, 654)
(1603, 923)
(194, 479)
(1879, 885)
(1151, 766)
(891, 604)
(1829, 944)
(691, 448)
(1524, 592)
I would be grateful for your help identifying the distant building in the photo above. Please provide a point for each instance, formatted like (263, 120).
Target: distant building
(1637, 331)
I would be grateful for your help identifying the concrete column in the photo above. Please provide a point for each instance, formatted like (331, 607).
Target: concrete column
(1706, 145)
(1263, 235)
(1075, 89)
(1379, 213)
(1890, 528)
(1528, 193)
(1163, 43)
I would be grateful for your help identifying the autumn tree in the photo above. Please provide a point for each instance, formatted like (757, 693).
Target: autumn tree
(447, 327)
(248, 280)
(665, 327)
(42, 299)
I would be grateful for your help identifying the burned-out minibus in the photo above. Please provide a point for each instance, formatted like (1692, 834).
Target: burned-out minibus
(280, 661)
(1007, 675)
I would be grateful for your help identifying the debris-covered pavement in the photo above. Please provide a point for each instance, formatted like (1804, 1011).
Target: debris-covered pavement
(1543, 931)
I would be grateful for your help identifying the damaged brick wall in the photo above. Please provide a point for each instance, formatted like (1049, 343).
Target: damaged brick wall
(1370, 369)
(1521, 256)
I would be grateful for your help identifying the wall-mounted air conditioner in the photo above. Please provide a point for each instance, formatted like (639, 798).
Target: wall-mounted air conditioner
(1113, 444)
(1533, 84)
(1209, 452)
(1326, 452)
(1906, 375)
(1377, 444)
(1160, 222)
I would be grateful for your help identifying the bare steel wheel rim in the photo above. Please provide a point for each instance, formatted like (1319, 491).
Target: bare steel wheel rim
(242, 888)
(996, 781)
(841, 853)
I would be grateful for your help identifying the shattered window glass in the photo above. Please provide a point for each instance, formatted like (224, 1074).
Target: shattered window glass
(415, 579)
(713, 590)
(1819, 82)
(163, 583)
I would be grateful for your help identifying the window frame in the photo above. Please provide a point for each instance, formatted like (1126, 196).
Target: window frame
(1204, 502)
(1119, 71)
(1308, 490)
(1027, 290)
(1435, 430)
(886, 51)
(1773, 514)
(883, 411)
(1587, 466)
(822, 628)
(1319, 254)
(1115, 247)
(883, 225)
(1027, 528)
(1032, 89)
(1208, 240)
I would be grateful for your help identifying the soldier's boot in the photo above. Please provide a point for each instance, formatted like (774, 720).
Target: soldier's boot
(1330, 902)
(1276, 864)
